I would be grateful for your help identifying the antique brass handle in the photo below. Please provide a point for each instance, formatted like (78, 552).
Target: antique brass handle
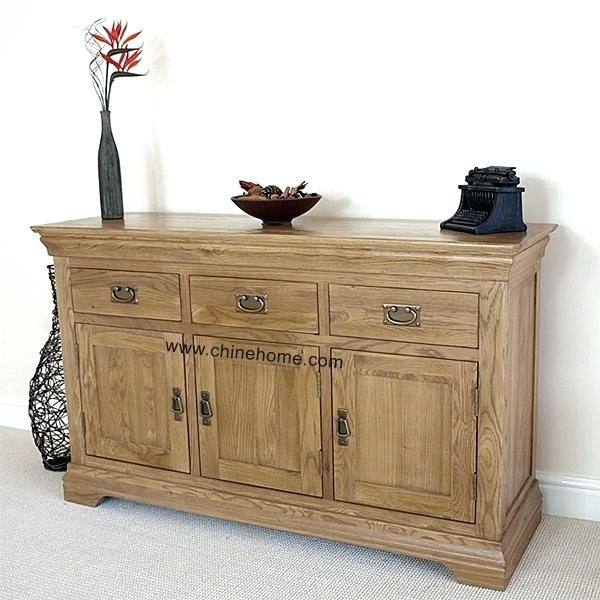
(123, 293)
(177, 404)
(205, 408)
(251, 302)
(405, 315)
(343, 427)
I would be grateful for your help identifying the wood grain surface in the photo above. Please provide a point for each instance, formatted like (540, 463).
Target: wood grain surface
(127, 384)
(266, 428)
(447, 318)
(157, 294)
(290, 306)
(412, 440)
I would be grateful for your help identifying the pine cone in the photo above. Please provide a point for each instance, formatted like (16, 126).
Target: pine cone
(271, 190)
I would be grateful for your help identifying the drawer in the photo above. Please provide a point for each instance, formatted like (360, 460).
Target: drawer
(255, 303)
(126, 294)
(406, 315)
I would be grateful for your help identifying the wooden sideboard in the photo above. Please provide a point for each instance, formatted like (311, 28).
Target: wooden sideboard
(367, 381)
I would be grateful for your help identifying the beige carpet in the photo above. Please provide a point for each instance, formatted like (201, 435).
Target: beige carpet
(50, 549)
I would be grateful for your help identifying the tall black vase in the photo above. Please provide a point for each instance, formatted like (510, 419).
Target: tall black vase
(109, 172)
(47, 398)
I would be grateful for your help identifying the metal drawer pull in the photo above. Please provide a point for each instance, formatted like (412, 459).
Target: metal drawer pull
(205, 408)
(343, 428)
(405, 315)
(177, 405)
(123, 293)
(252, 302)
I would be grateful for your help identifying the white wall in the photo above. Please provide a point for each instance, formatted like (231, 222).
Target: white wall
(382, 106)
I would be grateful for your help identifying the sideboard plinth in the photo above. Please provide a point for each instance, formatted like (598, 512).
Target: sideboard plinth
(472, 561)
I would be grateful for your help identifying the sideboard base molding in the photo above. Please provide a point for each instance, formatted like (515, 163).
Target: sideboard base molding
(473, 561)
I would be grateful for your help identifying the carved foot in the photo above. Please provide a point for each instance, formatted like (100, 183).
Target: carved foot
(486, 577)
(83, 495)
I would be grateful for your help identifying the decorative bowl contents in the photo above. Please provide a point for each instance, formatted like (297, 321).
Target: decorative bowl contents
(273, 206)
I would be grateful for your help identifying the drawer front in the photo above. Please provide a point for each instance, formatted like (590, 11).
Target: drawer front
(255, 303)
(126, 294)
(406, 315)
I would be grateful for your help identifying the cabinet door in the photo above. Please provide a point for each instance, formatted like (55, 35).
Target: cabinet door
(129, 386)
(412, 425)
(265, 426)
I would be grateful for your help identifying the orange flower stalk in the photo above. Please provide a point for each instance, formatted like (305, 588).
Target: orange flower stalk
(110, 50)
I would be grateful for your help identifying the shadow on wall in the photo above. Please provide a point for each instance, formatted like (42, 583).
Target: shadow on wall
(537, 199)
(159, 74)
(563, 406)
(154, 174)
(537, 202)
(336, 205)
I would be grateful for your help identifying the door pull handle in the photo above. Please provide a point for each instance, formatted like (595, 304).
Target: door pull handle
(343, 427)
(206, 412)
(177, 405)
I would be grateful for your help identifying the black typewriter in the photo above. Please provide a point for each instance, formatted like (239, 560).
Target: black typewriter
(490, 202)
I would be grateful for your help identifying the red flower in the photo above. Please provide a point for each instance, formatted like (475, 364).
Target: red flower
(131, 37)
(100, 38)
(132, 60)
(115, 38)
(111, 51)
(109, 60)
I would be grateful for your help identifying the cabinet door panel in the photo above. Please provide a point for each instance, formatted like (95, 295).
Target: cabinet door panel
(412, 426)
(127, 384)
(265, 429)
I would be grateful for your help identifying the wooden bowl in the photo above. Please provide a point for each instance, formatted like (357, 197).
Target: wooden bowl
(276, 213)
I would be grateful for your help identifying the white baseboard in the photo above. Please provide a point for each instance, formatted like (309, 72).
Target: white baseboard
(13, 412)
(570, 496)
(564, 495)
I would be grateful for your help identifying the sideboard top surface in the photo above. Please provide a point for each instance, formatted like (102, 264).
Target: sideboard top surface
(415, 235)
